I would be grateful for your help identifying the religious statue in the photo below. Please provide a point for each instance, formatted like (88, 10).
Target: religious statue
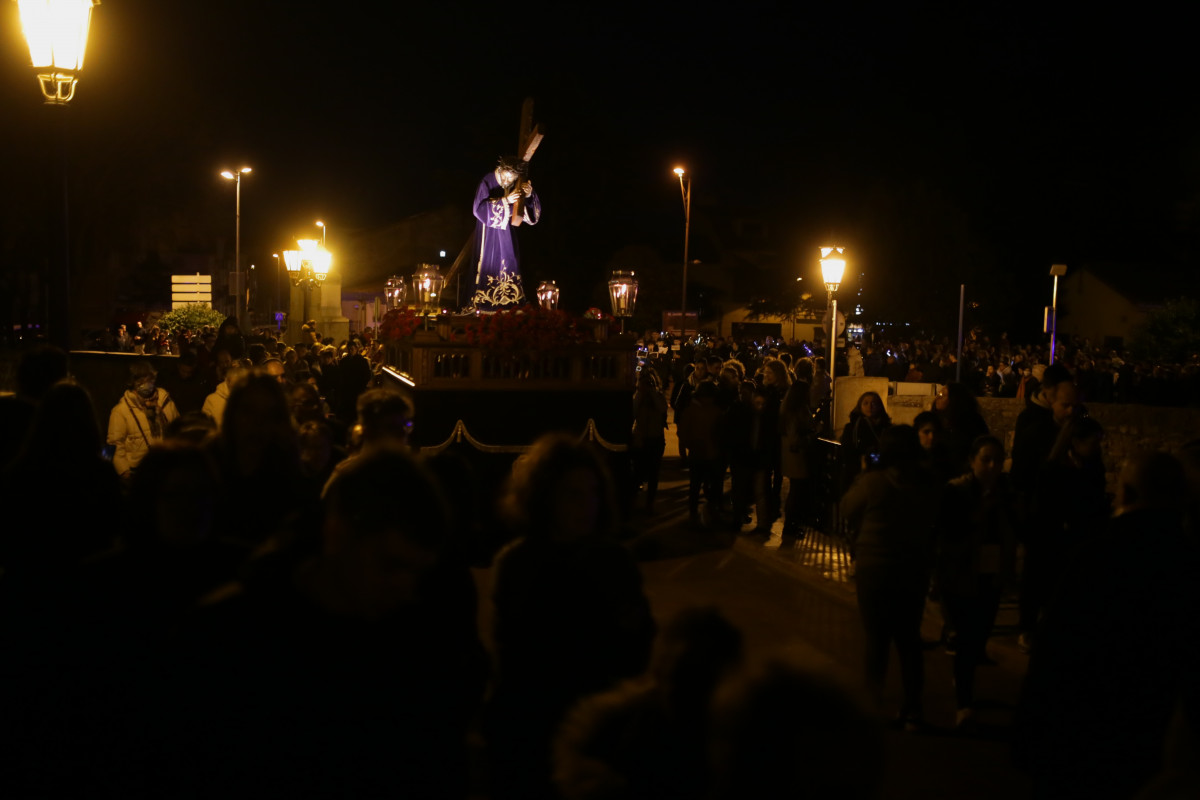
(503, 201)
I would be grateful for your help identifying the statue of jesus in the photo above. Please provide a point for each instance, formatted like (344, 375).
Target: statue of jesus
(502, 194)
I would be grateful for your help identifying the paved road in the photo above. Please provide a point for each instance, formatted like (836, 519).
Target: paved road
(800, 603)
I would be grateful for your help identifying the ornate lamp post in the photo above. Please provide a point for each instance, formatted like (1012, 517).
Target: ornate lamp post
(622, 291)
(547, 295)
(687, 228)
(833, 267)
(240, 305)
(56, 32)
(307, 267)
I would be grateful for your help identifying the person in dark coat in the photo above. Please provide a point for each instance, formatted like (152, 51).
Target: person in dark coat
(353, 670)
(862, 435)
(891, 510)
(570, 619)
(38, 369)
(797, 456)
(961, 423)
(699, 433)
(229, 337)
(976, 554)
(186, 383)
(354, 376)
(1034, 437)
(649, 439)
(1116, 652)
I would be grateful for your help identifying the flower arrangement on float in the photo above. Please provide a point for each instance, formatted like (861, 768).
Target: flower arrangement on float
(400, 324)
(530, 328)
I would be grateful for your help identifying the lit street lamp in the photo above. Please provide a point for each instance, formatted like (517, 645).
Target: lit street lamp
(307, 267)
(833, 267)
(240, 306)
(56, 32)
(686, 194)
(324, 230)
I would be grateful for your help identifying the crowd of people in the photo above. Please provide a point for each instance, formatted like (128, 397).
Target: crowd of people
(257, 588)
(988, 368)
(931, 513)
(221, 613)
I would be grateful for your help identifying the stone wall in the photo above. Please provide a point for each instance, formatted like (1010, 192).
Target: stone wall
(1127, 428)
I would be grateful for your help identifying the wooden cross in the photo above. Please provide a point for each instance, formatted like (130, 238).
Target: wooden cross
(527, 144)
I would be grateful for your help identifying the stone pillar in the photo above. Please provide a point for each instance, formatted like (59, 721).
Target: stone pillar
(324, 305)
(326, 309)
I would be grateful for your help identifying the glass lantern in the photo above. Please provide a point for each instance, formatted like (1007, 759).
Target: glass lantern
(396, 291)
(547, 295)
(427, 284)
(622, 290)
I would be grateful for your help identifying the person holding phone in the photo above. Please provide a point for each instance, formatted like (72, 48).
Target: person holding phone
(862, 435)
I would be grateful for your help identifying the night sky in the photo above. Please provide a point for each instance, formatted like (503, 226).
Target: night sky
(940, 146)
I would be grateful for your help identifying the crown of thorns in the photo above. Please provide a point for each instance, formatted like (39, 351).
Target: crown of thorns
(513, 163)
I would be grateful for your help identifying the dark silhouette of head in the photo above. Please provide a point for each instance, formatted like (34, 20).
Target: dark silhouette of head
(561, 490)
(40, 368)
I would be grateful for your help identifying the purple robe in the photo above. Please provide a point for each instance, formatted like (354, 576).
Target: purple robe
(497, 271)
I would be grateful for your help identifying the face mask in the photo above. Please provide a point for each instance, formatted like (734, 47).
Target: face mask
(146, 389)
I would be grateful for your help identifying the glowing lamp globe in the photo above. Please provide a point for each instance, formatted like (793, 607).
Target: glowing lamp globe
(427, 284)
(395, 290)
(833, 266)
(57, 32)
(622, 291)
(547, 295)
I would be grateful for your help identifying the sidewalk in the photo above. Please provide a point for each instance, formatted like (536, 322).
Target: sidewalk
(799, 603)
(819, 560)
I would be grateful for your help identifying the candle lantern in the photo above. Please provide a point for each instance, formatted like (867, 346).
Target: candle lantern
(427, 284)
(396, 291)
(547, 295)
(622, 290)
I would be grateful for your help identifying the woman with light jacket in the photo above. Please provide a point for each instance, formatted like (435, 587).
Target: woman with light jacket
(138, 419)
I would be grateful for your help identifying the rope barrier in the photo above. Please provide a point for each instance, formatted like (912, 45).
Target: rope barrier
(461, 434)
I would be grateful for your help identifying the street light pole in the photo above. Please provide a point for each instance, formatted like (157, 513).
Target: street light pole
(57, 36)
(833, 266)
(240, 304)
(324, 229)
(275, 277)
(1057, 270)
(686, 194)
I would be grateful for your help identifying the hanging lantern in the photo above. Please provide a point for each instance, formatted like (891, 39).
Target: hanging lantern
(547, 295)
(395, 291)
(427, 284)
(622, 290)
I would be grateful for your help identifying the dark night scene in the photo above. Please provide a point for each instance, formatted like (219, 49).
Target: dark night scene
(599, 402)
